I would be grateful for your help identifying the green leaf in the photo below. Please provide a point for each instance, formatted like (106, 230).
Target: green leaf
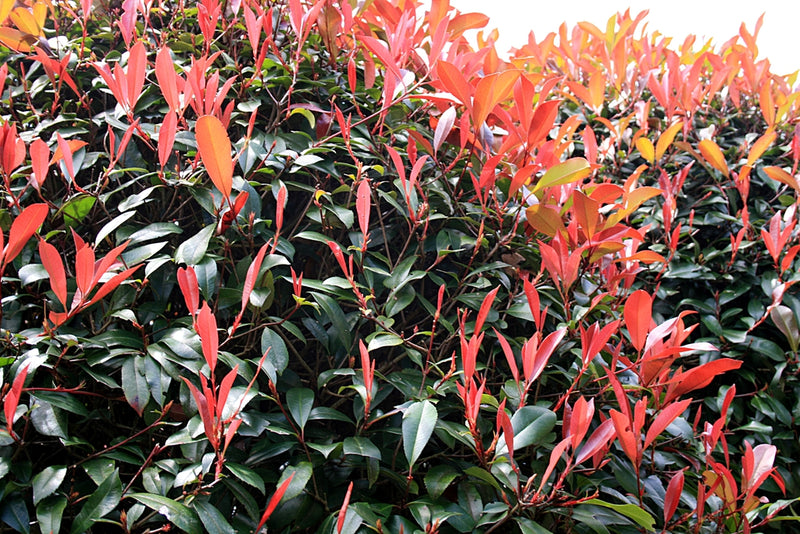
(154, 231)
(439, 478)
(569, 171)
(112, 225)
(246, 475)
(193, 249)
(14, 513)
(212, 519)
(300, 401)
(47, 482)
(76, 209)
(384, 340)
(531, 425)
(359, 446)
(105, 498)
(178, 514)
(631, 511)
(332, 310)
(278, 357)
(302, 474)
(49, 420)
(49, 513)
(528, 526)
(419, 420)
(134, 383)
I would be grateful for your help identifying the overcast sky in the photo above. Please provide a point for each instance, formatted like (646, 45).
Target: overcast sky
(779, 39)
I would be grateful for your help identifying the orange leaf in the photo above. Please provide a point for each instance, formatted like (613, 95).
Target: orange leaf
(778, 174)
(645, 146)
(214, 146)
(760, 146)
(52, 263)
(23, 227)
(17, 40)
(713, 155)
(467, 21)
(545, 219)
(587, 213)
(489, 92)
(666, 139)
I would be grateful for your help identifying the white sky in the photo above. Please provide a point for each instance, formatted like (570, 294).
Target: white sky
(779, 39)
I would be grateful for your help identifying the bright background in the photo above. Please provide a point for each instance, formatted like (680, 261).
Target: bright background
(778, 40)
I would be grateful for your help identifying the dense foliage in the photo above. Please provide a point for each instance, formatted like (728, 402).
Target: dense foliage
(327, 267)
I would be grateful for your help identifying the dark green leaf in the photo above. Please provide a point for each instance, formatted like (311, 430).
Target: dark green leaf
(105, 498)
(178, 514)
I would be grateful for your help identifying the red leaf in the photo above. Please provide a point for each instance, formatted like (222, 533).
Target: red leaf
(343, 509)
(534, 365)
(504, 424)
(543, 119)
(698, 377)
(112, 284)
(137, 62)
(599, 438)
(673, 495)
(207, 328)
(167, 79)
(224, 390)
(485, 307)
(555, 455)
(214, 146)
(273, 502)
(627, 439)
(187, 281)
(512, 362)
(664, 419)
(454, 82)
(281, 204)
(580, 420)
(363, 203)
(366, 367)
(52, 263)
(40, 156)
(638, 316)
(11, 400)
(166, 137)
(84, 270)
(587, 213)
(23, 227)
(205, 413)
(252, 277)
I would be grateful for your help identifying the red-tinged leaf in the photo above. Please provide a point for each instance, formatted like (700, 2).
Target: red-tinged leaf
(108, 261)
(11, 400)
(760, 146)
(543, 119)
(566, 172)
(780, 175)
(40, 157)
(225, 390)
(638, 316)
(486, 305)
(166, 137)
(521, 177)
(64, 151)
(273, 502)
(454, 83)
(713, 155)
(444, 127)
(52, 263)
(187, 281)
(512, 361)
(204, 410)
(137, 63)
(490, 91)
(112, 284)
(380, 50)
(664, 419)
(504, 424)
(699, 377)
(363, 203)
(580, 420)
(214, 146)
(545, 219)
(209, 337)
(589, 144)
(22, 229)
(280, 206)
(627, 440)
(5, 9)
(252, 277)
(587, 213)
(644, 256)
(17, 40)
(767, 104)
(466, 21)
(555, 456)
(84, 270)
(366, 367)
(602, 435)
(337, 252)
(13, 149)
(343, 509)
(673, 495)
(763, 458)
(533, 302)
(230, 432)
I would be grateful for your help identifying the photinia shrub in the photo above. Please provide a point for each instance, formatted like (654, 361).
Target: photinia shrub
(325, 266)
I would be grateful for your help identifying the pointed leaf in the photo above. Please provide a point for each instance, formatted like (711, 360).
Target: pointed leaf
(567, 172)
(214, 146)
(23, 227)
(274, 500)
(299, 402)
(55, 268)
(638, 316)
(713, 155)
(105, 499)
(176, 513)
(419, 420)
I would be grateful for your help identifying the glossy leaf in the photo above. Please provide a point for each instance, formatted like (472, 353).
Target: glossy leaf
(419, 420)
(214, 146)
